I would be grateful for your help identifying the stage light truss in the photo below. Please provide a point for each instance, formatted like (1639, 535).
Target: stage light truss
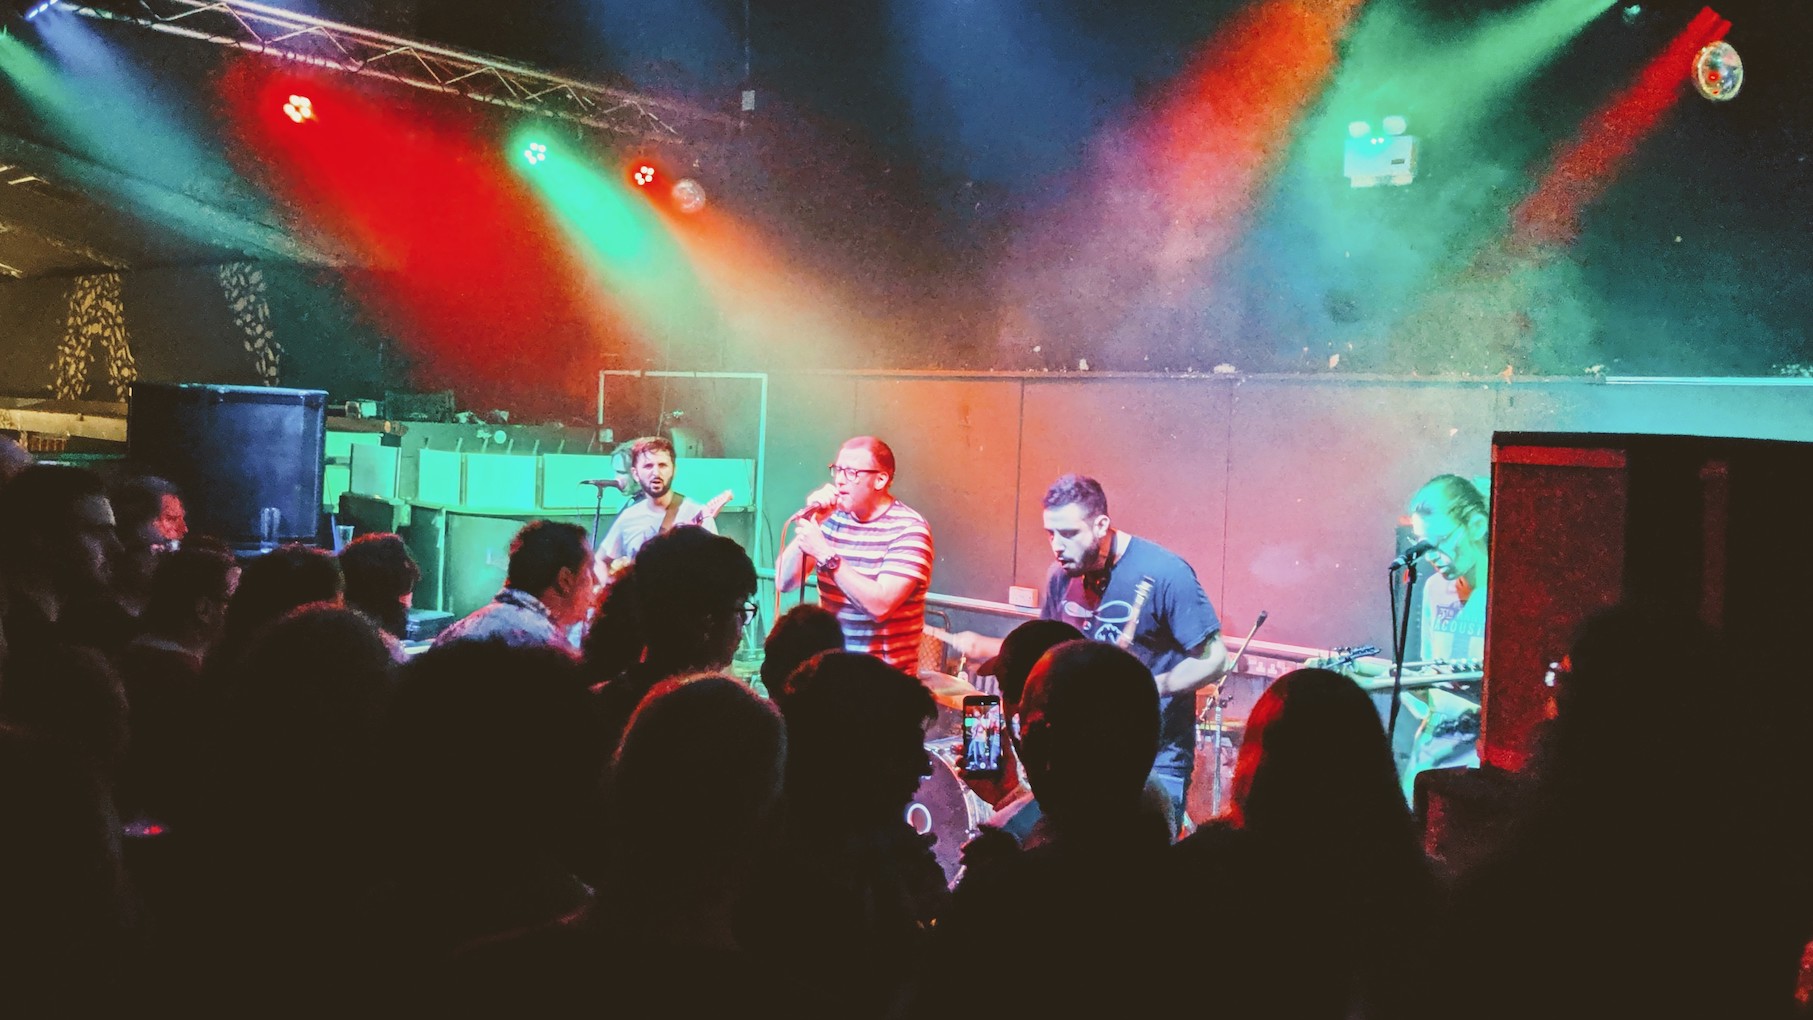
(291, 36)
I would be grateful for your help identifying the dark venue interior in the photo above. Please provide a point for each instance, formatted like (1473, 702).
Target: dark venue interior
(875, 509)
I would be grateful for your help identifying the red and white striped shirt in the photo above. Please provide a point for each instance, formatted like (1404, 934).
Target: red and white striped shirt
(898, 542)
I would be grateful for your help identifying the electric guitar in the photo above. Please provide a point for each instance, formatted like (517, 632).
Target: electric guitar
(710, 509)
(706, 513)
(1373, 675)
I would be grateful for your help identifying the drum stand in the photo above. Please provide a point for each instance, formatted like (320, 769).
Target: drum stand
(1218, 700)
(1211, 712)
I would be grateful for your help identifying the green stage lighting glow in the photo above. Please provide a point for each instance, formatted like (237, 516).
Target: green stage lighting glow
(1396, 61)
(104, 108)
(626, 241)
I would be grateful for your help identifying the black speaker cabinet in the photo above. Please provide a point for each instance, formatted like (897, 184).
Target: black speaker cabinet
(1582, 522)
(234, 451)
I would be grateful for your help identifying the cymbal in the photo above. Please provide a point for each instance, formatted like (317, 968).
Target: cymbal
(947, 690)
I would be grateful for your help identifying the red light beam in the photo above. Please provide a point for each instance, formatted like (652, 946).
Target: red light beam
(1550, 215)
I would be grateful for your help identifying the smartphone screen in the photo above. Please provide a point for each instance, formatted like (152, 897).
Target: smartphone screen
(983, 726)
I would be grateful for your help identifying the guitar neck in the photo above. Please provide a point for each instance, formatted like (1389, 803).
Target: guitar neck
(1140, 595)
(711, 509)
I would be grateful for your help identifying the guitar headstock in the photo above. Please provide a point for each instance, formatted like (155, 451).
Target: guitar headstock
(1341, 656)
(711, 509)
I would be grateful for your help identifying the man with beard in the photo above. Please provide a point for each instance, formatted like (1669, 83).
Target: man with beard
(1132, 592)
(57, 544)
(658, 509)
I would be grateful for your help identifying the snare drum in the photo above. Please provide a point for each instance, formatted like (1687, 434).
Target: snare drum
(945, 807)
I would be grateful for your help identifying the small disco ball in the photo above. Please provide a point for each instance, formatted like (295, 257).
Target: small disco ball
(689, 195)
(1718, 72)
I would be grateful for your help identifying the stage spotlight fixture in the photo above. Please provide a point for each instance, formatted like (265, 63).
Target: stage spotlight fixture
(1388, 158)
(689, 195)
(299, 109)
(33, 8)
(644, 175)
(535, 153)
(1718, 72)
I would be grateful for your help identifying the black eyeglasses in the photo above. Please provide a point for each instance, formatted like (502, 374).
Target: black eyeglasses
(747, 610)
(839, 471)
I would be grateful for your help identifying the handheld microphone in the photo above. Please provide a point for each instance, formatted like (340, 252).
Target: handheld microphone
(822, 498)
(1411, 554)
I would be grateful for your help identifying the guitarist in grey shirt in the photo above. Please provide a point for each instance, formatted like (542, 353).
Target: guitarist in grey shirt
(660, 508)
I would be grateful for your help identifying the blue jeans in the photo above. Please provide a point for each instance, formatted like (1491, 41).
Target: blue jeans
(1174, 786)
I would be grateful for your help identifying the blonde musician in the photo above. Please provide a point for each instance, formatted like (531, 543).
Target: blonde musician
(1450, 515)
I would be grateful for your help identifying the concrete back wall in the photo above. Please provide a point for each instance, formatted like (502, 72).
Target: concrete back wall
(1283, 492)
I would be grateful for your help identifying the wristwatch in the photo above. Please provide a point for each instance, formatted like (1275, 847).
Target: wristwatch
(829, 564)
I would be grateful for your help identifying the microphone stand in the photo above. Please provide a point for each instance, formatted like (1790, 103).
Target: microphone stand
(1400, 639)
(598, 507)
(1217, 702)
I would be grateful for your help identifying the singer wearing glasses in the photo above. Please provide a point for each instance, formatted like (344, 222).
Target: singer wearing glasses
(872, 553)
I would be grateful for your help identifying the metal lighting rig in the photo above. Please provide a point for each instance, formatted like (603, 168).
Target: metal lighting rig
(291, 36)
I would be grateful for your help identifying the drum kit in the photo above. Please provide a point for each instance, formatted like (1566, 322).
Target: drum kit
(944, 806)
(947, 808)
(1221, 712)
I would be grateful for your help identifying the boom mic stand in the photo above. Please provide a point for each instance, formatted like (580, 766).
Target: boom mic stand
(1400, 638)
(600, 484)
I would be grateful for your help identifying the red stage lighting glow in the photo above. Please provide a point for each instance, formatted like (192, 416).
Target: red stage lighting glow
(299, 109)
(449, 250)
(1229, 121)
(1582, 172)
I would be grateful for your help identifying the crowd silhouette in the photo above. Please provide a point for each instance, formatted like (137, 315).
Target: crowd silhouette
(226, 788)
